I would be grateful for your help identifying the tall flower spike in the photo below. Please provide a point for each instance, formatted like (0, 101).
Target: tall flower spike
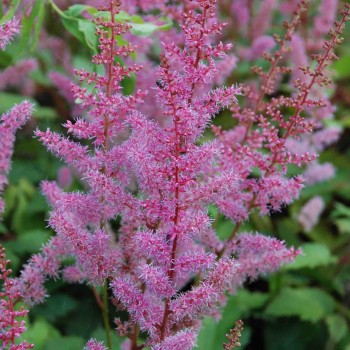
(80, 219)
(10, 327)
(268, 128)
(9, 123)
(234, 336)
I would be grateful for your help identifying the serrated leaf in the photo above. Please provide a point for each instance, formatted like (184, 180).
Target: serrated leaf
(309, 304)
(314, 255)
(337, 327)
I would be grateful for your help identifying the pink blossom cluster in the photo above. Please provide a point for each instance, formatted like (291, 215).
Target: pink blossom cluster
(10, 122)
(8, 31)
(10, 327)
(310, 213)
(142, 160)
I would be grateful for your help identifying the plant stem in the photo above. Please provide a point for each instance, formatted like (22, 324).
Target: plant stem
(105, 316)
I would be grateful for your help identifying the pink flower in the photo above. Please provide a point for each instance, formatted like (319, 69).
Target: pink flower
(10, 327)
(94, 345)
(10, 122)
(310, 213)
(8, 31)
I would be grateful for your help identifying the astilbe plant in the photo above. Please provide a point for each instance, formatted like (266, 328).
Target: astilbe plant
(10, 122)
(158, 179)
(10, 327)
(264, 124)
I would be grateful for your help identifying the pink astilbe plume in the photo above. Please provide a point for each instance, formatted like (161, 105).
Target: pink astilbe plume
(257, 254)
(265, 132)
(310, 213)
(8, 31)
(10, 327)
(10, 122)
(94, 345)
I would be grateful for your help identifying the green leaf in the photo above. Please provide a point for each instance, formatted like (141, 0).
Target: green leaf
(56, 306)
(77, 9)
(20, 211)
(29, 242)
(212, 334)
(343, 225)
(314, 255)
(80, 27)
(10, 13)
(340, 210)
(342, 67)
(44, 113)
(39, 333)
(38, 24)
(290, 334)
(337, 327)
(3, 228)
(148, 28)
(224, 228)
(128, 84)
(309, 304)
(89, 33)
(30, 23)
(66, 343)
(100, 335)
(8, 100)
(207, 334)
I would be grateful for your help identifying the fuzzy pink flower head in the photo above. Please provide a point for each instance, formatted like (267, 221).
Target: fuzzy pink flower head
(64, 177)
(240, 11)
(316, 173)
(9, 123)
(10, 327)
(183, 340)
(257, 254)
(326, 17)
(310, 213)
(93, 344)
(261, 44)
(7, 32)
